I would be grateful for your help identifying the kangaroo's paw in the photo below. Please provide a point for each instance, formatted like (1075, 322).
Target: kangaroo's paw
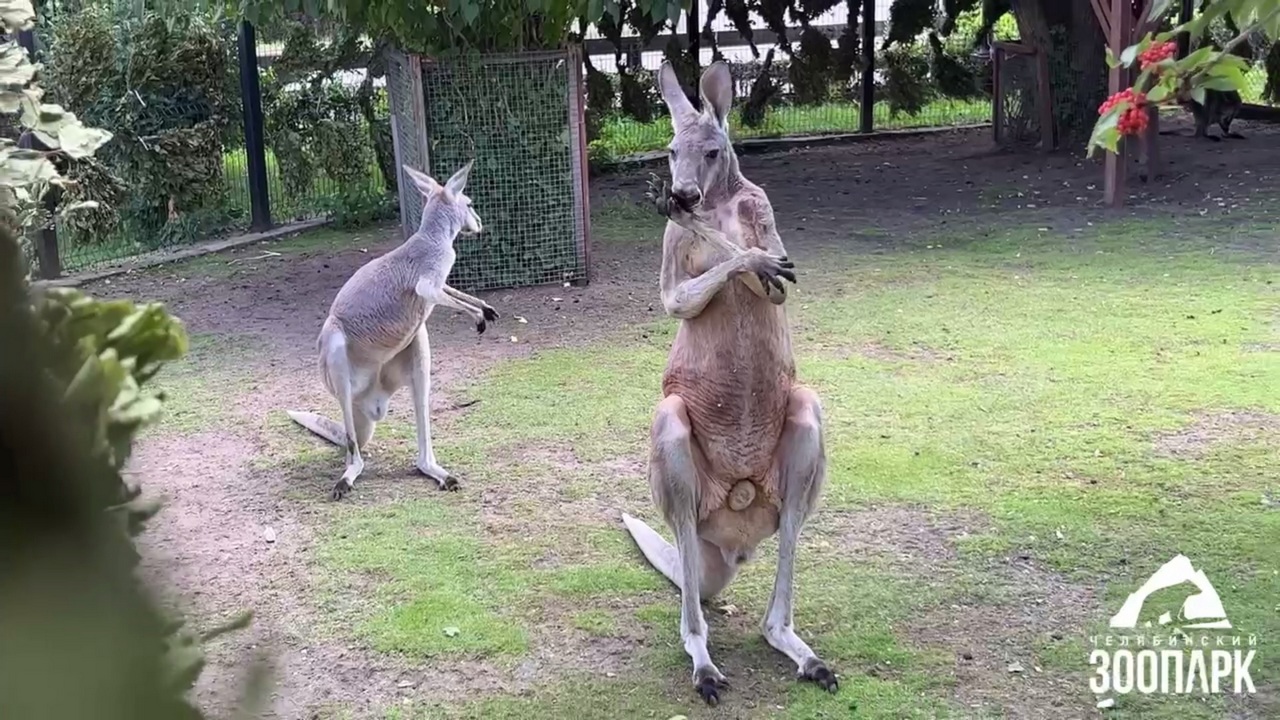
(341, 489)
(817, 671)
(709, 682)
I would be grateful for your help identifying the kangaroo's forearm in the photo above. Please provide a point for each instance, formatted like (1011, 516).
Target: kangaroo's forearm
(457, 294)
(688, 299)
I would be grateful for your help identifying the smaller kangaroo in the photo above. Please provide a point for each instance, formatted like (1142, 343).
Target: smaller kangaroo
(374, 341)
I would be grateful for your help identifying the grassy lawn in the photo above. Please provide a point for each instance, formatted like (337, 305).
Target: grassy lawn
(1021, 428)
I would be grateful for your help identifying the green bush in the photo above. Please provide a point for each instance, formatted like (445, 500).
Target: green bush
(166, 86)
(317, 126)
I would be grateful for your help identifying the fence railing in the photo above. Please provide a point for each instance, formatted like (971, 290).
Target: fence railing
(866, 100)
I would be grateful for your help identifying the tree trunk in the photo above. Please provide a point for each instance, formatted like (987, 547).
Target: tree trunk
(1068, 31)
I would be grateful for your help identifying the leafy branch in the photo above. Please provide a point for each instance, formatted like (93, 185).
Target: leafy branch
(1164, 80)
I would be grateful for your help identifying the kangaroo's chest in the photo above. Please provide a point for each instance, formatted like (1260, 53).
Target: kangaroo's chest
(732, 363)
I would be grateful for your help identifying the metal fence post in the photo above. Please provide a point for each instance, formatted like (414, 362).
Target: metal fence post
(1185, 13)
(254, 144)
(868, 107)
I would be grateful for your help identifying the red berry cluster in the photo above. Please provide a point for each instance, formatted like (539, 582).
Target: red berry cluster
(1156, 53)
(1134, 118)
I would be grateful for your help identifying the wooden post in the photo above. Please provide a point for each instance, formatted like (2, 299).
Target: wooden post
(1117, 164)
(578, 118)
(1044, 102)
(695, 32)
(47, 252)
(868, 106)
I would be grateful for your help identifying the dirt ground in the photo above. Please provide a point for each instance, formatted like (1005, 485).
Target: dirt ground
(865, 197)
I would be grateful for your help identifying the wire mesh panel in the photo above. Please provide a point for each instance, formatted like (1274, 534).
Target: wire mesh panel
(518, 117)
(1018, 108)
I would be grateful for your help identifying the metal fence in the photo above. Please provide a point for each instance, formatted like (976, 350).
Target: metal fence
(301, 191)
(271, 179)
(519, 118)
(903, 92)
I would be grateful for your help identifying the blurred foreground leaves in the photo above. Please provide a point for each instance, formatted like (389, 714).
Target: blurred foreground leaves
(80, 635)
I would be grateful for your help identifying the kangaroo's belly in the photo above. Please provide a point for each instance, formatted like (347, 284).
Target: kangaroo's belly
(732, 367)
(736, 420)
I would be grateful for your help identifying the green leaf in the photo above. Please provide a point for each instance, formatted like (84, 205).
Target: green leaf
(595, 9)
(1197, 94)
(17, 14)
(1158, 93)
(79, 141)
(1219, 83)
(1105, 135)
(25, 167)
(82, 205)
(1128, 55)
(470, 11)
(1157, 8)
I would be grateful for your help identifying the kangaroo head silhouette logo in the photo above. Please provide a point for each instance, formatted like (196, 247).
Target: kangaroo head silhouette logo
(1201, 610)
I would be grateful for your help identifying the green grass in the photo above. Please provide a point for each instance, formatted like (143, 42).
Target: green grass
(620, 136)
(997, 372)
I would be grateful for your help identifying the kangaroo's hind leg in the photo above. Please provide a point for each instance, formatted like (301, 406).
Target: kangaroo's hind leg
(412, 367)
(695, 566)
(801, 465)
(357, 426)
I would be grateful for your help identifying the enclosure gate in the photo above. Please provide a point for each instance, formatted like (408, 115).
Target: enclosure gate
(1021, 108)
(521, 118)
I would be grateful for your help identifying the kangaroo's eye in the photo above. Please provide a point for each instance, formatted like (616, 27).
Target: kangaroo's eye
(713, 154)
(672, 152)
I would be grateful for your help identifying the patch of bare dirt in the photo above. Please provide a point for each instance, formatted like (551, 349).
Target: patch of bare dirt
(561, 504)
(1212, 429)
(994, 644)
(910, 538)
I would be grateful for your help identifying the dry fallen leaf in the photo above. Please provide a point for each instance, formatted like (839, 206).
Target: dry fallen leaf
(451, 632)
(269, 534)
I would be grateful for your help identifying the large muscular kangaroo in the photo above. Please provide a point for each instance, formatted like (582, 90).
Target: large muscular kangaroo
(736, 446)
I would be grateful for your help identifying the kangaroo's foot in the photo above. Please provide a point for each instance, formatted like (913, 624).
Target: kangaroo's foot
(444, 479)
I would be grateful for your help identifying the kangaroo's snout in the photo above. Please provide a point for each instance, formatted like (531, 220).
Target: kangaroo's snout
(688, 196)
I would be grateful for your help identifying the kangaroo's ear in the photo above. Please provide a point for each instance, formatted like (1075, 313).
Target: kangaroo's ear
(425, 183)
(682, 111)
(456, 183)
(716, 88)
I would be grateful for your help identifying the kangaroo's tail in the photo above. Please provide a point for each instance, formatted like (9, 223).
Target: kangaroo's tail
(660, 553)
(320, 425)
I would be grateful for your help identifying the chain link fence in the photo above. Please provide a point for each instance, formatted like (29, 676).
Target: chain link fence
(519, 117)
